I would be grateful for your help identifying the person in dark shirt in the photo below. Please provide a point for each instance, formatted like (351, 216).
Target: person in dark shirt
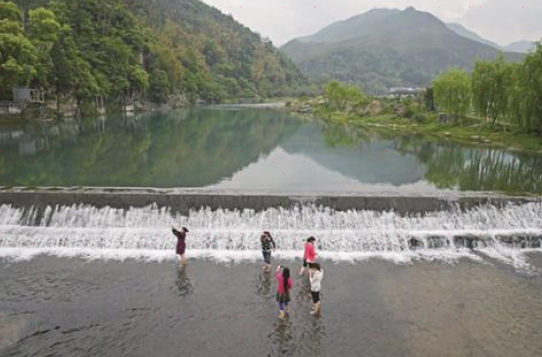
(181, 243)
(267, 244)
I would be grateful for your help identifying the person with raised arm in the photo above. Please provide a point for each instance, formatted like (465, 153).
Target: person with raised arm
(284, 285)
(181, 244)
(267, 244)
(316, 274)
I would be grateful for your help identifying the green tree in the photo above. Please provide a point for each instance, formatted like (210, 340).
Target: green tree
(491, 85)
(452, 92)
(44, 28)
(529, 93)
(18, 55)
(341, 96)
(159, 86)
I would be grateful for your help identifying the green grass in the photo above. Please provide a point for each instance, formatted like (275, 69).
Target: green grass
(471, 131)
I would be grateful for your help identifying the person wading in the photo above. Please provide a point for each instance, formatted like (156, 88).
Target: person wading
(267, 244)
(181, 243)
(284, 284)
(316, 274)
(309, 255)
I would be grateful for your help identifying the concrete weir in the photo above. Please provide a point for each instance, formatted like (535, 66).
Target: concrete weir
(183, 200)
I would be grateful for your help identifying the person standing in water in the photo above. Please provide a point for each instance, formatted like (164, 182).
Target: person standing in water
(181, 243)
(316, 274)
(309, 255)
(267, 244)
(284, 284)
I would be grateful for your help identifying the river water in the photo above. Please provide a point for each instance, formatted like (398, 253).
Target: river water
(252, 149)
(72, 307)
(86, 281)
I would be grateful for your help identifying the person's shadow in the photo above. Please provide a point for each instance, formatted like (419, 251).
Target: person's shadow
(183, 281)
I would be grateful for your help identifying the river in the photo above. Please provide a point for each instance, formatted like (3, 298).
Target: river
(84, 279)
(252, 149)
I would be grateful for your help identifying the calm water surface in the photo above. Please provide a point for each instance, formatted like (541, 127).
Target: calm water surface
(251, 149)
(71, 307)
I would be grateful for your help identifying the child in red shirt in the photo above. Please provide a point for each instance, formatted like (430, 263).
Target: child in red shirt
(309, 255)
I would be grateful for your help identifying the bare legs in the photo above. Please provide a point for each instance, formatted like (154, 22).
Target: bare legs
(182, 259)
(316, 309)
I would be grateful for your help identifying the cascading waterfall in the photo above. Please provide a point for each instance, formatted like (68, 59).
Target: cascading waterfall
(503, 233)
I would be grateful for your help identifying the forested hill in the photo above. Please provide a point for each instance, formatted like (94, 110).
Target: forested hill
(136, 49)
(386, 48)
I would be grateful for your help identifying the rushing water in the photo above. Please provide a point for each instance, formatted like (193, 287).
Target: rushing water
(483, 233)
(251, 149)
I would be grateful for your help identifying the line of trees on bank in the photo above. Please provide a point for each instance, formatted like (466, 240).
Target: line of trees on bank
(496, 91)
(135, 49)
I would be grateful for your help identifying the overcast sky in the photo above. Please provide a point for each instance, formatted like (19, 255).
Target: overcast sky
(502, 21)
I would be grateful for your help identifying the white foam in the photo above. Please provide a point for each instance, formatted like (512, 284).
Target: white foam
(349, 236)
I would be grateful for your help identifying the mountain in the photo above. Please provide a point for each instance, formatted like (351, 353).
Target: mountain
(397, 48)
(356, 26)
(462, 31)
(520, 46)
(158, 49)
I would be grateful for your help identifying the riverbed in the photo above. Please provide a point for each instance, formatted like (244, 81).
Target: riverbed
(73, 307)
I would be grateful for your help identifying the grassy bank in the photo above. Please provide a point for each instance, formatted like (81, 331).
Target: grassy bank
(471, 130)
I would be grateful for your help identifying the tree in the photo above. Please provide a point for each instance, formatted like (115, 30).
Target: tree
(44, 27)
(491, 84)
(341, 96)
(530, 91)
(452, 92)
(429, 99)
(159, 86)
(18, 55)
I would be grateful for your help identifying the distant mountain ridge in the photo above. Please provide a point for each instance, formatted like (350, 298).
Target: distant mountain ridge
(463, 31)
(520, 46)
(385, 48)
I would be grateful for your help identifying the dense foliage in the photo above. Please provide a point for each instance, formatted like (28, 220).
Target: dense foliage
(498, 89)
(341, 97)
(136, 49)
(452, 92)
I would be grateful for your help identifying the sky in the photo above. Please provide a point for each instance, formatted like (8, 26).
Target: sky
(501, 21)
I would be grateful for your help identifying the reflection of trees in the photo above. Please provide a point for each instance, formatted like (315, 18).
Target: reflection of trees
(343, 135)
(177, 149)
(451, 166)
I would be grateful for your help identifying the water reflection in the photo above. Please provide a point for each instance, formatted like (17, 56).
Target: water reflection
(251, 149)
(264, 285)
(183, 282)
(176, 149)
(282, 339)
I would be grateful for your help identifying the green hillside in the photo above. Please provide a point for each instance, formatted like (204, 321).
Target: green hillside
(136, 49)
(399, 48)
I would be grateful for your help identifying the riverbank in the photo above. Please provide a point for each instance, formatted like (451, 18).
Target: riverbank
(471, 131)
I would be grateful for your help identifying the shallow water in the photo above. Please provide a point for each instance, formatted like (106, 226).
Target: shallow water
(252, 149)
(72, 307)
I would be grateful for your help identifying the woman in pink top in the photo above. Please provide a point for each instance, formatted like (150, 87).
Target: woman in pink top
(310, 254)
(284, 284)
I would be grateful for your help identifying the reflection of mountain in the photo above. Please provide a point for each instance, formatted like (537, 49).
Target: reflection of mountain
(364, 160)
(178, 149)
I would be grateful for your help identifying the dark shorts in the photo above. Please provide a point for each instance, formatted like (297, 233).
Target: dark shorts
(266, 256)
(306, 264)
(315, 296)
(283, 298)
